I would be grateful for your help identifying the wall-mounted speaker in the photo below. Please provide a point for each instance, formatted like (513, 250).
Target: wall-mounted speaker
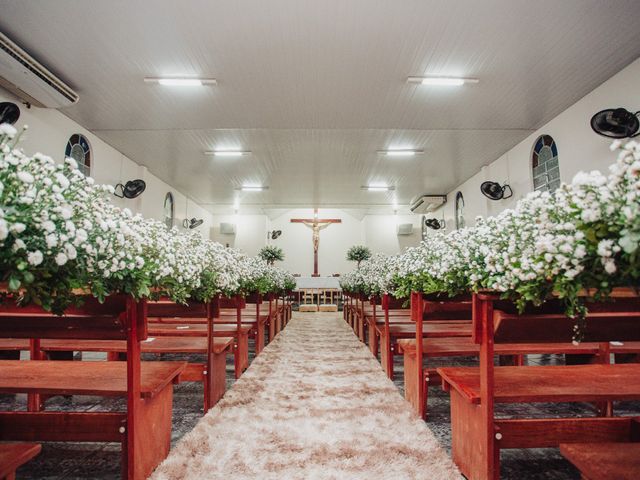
(228, 228)
(404, 228)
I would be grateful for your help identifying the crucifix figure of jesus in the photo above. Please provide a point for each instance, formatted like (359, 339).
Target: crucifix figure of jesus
(316, 225)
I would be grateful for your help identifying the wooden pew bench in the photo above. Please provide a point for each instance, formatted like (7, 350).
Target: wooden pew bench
(108, 379)
(605, 461)
(374, 319)
(14, 455)
(478, 435)
(433, 348)
(143, 428)
(431, 329)
(240, 336)
(193, 372)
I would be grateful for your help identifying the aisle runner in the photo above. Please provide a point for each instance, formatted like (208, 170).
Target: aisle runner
(314, 405)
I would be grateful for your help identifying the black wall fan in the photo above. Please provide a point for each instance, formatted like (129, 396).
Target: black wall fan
(192, 223)
(131, 189)
(9, 113)
(495, 191)
(274, 234)
(434, 223)
(616, 123)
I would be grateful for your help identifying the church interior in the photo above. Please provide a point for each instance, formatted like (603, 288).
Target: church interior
(320, 240)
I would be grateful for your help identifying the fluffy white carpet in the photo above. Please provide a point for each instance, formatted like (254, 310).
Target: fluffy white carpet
(314, 405)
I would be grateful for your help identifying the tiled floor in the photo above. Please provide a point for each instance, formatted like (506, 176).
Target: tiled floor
(102, 461)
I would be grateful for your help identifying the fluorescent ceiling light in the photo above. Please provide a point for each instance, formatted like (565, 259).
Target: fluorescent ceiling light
(253, 188)
(228, 153)
(406, 152)
(181, 81)
(377, 188)
(442, 81)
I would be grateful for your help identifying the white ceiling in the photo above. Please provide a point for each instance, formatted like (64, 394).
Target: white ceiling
(315, 88)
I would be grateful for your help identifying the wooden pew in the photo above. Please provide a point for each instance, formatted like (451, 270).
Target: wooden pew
(215, 347)
(434, 348)
(169, 325)
(478, 437)
(374, 316)
(431, 318)
(14, 455)
(143, 430)
(606, 461)
(212, 373)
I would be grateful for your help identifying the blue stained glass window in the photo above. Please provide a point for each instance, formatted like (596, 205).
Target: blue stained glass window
(545, 165)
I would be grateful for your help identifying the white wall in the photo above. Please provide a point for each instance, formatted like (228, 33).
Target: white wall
(378, 232)
(579, 148)
(381, 235)
(251, 232)
(48, 133)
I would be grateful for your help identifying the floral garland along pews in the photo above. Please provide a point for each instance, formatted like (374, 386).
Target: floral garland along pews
(583, 236)
(59, 233)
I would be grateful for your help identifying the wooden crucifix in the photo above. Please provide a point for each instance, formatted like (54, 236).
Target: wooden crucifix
(316, 224)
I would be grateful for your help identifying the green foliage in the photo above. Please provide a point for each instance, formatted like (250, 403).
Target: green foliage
(271, 254)
(358, 254)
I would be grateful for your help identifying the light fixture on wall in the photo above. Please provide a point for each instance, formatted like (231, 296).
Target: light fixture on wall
(440, 81)
(616, 123)
(495, 191)
(192, 223)
(181, 81)
(131, 189)
(274, 234)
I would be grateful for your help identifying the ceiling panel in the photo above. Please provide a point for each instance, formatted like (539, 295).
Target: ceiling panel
(315, 88)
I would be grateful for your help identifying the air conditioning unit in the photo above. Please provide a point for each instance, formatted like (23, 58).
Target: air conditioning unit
(26, 78)
(228, 228)
(427, 203)
(404, 228)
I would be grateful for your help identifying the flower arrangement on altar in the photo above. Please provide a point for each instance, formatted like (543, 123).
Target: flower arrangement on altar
(358, 254)
(59, 233)
(271, 254)
(583, 236)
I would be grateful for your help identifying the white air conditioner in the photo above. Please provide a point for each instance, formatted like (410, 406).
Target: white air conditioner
(29, 80)
(228, 228)
(404, 229)
(427, 203)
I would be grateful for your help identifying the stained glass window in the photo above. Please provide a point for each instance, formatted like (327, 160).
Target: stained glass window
(460, 223)
(544, 162)
(79, 149)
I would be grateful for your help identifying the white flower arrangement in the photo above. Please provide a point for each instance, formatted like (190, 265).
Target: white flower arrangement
(586, 235)
(59, 232)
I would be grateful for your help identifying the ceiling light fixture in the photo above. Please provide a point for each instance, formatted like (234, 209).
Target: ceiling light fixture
(181, 81)
(253, 188)
(228, 153)
(442, 81)
(377, 188)
(406, 152)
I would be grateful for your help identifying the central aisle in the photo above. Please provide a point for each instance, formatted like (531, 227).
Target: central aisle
(314, 405)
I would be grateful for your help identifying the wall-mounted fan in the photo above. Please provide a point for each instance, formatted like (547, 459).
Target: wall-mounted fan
(495, 191)
(274, 234)
(616, 123)
(192, 223)
(434, 223)
(131, 189)
(9, 113)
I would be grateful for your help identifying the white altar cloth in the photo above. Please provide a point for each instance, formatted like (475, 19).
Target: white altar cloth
(317, 282)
